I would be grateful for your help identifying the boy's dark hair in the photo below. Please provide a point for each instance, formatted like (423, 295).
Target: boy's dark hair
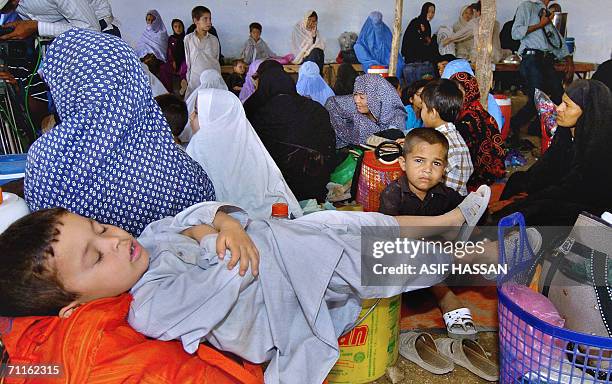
(414, 88)
(175, 111)
(430, 136)
(28, 285)
(444, 96)
(199, 11)
(314, 14)
(238, 61)
(555, 7)
(477, 7)
(394, 81)
(255, 25)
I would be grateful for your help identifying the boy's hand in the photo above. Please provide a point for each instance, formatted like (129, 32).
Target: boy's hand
(233, 237)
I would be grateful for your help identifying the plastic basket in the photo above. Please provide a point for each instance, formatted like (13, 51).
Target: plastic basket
(532, 350)
(374, 177)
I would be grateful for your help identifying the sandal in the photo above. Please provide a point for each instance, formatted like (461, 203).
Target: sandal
(471, 356)
(460, 325)
(473, 207)
(420, 348)
(512, 248)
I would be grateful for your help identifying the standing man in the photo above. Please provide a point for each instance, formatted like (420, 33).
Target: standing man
(541, 45)
(48, 18)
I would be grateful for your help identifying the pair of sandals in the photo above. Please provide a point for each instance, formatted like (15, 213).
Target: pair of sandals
(439, 356)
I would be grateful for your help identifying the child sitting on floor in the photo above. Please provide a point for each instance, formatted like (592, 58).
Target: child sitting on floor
(290, 309)
(236, 80)
(175, 112)
(442, 101)
(255, 48)
(420, 192)
(414, 104)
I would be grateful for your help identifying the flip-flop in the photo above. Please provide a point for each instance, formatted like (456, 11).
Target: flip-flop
(420, 348)
(470, 355)
(473, 207)
(460, 325)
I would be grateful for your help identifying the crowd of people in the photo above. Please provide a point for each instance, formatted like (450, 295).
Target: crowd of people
(124, 188)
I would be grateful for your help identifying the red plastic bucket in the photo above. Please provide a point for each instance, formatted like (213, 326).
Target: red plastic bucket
(505, 104)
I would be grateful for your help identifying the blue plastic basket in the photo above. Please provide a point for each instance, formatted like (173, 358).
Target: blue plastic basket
(12, 167)
(534, 351)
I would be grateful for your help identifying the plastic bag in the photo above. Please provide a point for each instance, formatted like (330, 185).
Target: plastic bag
(345, 171)
(523, 339)
(547, 110)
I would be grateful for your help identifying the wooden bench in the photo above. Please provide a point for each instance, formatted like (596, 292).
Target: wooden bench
(330, 71)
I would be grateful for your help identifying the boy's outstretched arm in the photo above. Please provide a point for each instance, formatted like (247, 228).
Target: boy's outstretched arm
(231, 236)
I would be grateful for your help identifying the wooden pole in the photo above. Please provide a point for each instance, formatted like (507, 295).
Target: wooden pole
(397, 33)
(484, 49)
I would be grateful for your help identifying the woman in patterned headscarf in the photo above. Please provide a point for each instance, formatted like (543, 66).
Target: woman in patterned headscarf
(373, 107)
(479, 130)
(112, 157)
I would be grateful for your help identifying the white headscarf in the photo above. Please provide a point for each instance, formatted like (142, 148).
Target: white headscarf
(209, 79)
(461, 22)
(235, 159)
(154, 39)
(302, 39)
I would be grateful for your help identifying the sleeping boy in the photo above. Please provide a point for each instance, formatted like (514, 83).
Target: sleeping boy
(299, 297)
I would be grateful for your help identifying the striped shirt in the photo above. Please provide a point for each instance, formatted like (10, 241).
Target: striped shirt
(459, 167)
(57, 16)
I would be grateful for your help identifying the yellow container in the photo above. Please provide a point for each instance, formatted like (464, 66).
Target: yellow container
(371, 347)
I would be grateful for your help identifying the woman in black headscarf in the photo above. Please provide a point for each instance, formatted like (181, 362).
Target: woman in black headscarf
(345, 80)
(574, 174)
(295, 130)
(418, 48)
(604, 73)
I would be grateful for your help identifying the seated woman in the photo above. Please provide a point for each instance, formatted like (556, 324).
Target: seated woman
(209, 79)
(463, 48)
(112, 156)
(249, 83)
(295, 130)
(154, 39)
(311, 84)
(307, 42)
(462, 65)
(373, 47)
(470, 30)
(480, 132)
(373, 107)
(574, 173)
(241, 169)
(345, 80)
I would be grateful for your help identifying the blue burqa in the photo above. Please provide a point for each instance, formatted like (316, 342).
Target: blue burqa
(373, 47)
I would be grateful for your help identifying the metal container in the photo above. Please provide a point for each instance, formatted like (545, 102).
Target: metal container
(559, 20)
